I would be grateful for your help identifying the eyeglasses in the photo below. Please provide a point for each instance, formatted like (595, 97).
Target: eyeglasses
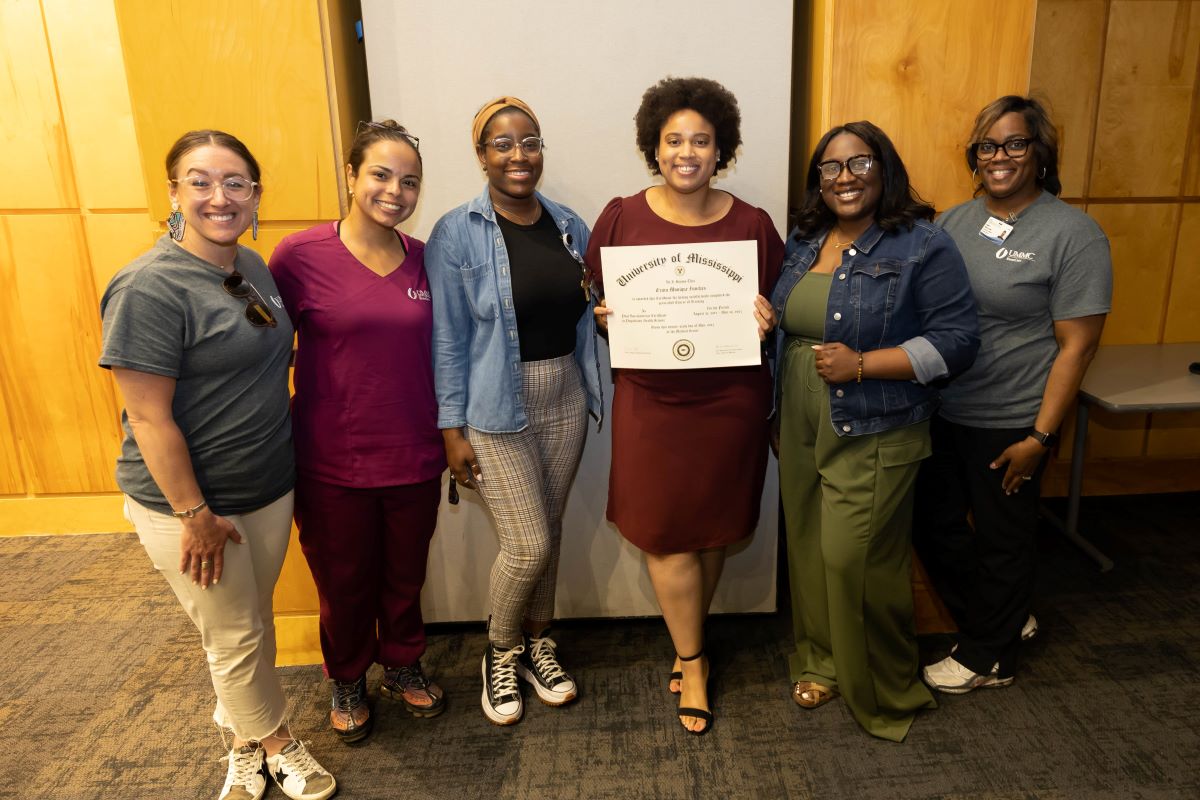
(405, 135)
(256, 312)
(858, 165)
(1014, 148)
(530, 145)
(201, 188)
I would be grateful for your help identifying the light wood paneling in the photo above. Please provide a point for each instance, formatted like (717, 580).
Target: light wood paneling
(95, 102)
(1116, 435)
(297, 639)
(61, 402)
(80, 513)
(12, 476)
(346, 64)
(34, 157)
(254, 69)
(1070, 32)
(113, 240)
(1183, 309)
(921, 70)
(295, 591)
(1140, 268)
(1145, 97)
(1174, 434)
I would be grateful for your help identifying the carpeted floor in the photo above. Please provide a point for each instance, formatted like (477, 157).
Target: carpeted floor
(106, 694)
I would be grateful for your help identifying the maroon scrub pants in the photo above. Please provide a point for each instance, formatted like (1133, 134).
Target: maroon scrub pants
(367, 550)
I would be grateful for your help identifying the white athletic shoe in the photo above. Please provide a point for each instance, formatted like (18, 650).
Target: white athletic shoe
(244, 780)
(299, 775)
(1029, 629)
(951, 677)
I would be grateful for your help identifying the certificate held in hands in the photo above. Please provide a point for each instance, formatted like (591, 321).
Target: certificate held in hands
(682, 306)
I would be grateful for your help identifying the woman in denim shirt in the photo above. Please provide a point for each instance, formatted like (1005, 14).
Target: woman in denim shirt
(515, 372)
(874, 308)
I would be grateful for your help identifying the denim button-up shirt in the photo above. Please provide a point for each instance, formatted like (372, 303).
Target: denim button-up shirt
(476, 349)
(906, 289)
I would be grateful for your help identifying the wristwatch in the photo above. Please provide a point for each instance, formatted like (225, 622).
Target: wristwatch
(188, 513)
(1046, 440)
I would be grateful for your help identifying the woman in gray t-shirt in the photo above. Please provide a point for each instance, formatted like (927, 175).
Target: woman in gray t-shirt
(1041, 273)
(195, 335)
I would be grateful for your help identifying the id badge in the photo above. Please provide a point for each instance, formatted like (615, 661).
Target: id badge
(995, 230)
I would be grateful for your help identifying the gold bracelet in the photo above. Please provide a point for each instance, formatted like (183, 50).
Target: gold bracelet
(860, 359)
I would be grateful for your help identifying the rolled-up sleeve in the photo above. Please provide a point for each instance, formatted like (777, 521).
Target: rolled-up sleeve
(947, 312)
(452, 326)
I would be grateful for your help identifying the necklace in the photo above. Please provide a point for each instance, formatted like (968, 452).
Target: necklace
(837, 244)
(517, 217)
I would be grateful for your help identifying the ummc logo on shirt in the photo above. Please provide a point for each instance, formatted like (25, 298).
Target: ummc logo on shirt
(1004, 254)
(420, 294)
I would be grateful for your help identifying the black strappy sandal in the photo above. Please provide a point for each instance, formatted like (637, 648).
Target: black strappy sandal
(699, 713)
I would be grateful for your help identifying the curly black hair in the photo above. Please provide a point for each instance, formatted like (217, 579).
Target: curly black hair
(706, 97)
(1042, 133)
(899, 203)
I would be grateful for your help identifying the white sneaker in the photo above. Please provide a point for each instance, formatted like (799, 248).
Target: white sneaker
(1029, 629)
(951, 677)
(299, 775)
(501, 699)
(244, 780)
(539, 666)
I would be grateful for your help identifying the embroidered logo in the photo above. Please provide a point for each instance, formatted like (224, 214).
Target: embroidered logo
(1018, 256)
(420, 294)
(277, 300)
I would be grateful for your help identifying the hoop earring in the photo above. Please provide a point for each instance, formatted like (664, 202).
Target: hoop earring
(254, 225)
(176, 224)
(974, 176)
(1043, 175)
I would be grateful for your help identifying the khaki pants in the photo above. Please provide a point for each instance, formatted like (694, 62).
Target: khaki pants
(847, 505)
(235, 617)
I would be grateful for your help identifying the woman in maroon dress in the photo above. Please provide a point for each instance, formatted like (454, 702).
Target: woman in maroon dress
(689, 446)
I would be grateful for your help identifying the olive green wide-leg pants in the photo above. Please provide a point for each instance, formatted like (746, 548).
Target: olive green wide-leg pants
(847, 505)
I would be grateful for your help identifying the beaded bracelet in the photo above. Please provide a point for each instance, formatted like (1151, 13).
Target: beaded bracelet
(860, 362)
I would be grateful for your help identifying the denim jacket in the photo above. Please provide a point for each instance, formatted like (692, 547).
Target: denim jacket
(906, 289)
(476, 351)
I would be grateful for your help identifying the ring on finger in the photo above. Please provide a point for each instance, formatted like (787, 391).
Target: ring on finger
(205, 564)
(1026, 477)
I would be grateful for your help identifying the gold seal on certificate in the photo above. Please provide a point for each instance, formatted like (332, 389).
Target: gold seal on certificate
(682, 306)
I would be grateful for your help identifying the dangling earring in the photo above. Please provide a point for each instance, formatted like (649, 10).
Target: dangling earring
(254, 225)
(176, 223)
(1043, 175)
(974, 176)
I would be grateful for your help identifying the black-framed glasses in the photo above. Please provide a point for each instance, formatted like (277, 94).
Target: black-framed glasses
(530, 145)
(257, 312)
(379, 126)
(858, 165)
(202, 187)
(1015, 147)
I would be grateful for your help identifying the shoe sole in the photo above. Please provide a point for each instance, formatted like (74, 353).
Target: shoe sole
(548, 697)
(421, 712)
(356, 736)
(988, 683)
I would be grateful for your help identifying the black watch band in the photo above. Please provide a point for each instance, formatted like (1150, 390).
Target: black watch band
(1045, 439)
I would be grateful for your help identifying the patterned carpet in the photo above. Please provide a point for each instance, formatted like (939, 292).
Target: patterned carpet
(105, 694)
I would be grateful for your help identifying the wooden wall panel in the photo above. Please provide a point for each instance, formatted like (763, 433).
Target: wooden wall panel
(1140, 269)
(922, 70)
(1070, 32)
(95, 102)
(49, 342)
(34, 158)
(12, 476)
(113, 240)
(255, 69)
(1174, 434)
(1183, 308)
(295, 590)
(1145, 97)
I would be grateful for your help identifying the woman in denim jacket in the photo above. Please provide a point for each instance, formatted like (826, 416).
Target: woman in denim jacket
(875, 309)
(516, 373)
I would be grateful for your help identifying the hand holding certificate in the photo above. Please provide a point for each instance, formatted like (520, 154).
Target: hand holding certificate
(682, 306)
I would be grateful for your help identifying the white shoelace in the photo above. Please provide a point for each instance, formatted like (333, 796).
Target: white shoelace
(301, 761)
(244, 763)
(504, 671)
(541, 652)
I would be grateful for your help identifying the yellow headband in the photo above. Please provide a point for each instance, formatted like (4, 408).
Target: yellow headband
(493, 107)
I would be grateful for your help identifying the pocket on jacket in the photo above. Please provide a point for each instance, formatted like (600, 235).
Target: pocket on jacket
(875, 284)
(480, 289)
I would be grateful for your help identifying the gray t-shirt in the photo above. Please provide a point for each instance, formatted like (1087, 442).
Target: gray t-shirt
(1054, 265)
(167, 314)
